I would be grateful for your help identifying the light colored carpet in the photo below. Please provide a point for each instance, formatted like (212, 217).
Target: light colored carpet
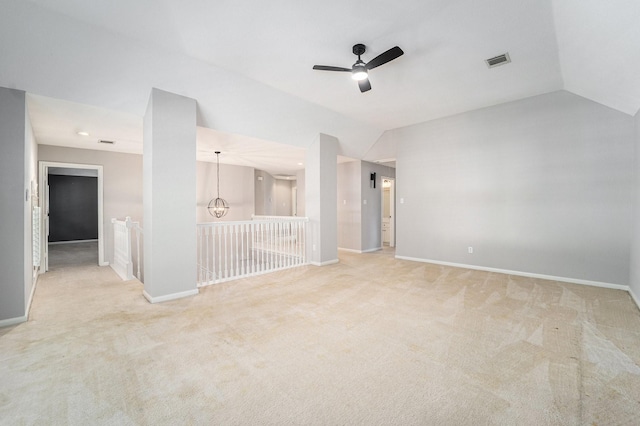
(70, 255)
(371, 340)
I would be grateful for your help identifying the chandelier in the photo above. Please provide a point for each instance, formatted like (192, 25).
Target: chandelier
(218, 207)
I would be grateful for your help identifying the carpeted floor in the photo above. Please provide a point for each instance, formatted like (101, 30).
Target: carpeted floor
(371, 340)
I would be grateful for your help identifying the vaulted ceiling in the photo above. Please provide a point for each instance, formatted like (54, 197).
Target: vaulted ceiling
(231, 54)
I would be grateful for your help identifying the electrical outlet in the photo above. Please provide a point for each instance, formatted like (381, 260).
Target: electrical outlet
(470, 249)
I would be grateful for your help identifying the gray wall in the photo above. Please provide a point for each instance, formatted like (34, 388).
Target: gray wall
(360, 205)
(123, 185)
(273, 196)
(264, 194)
(31, 183)
(349, 205)
(122, 179)
(300, 184)
(543, 185)
(320, 196)
(14, 205)
(236, 187)
(634, 283)
(283, 197)
(169, 194)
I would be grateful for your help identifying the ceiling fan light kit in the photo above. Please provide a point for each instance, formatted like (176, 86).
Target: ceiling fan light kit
(360, 70)
(359, 73)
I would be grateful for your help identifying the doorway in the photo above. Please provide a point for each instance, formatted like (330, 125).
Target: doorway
(78, 178)
(388, 212)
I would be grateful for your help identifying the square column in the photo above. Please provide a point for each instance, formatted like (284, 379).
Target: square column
(169, 197)
(15, 235)
(321, 195)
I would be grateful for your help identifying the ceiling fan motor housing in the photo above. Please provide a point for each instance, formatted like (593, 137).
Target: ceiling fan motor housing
(359, 49)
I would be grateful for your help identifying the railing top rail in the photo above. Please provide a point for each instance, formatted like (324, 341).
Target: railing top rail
(248, 222)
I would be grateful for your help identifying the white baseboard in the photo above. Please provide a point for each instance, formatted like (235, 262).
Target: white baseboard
(372, 250)
(103, 263)
(360, 251)
(12, 321)
(325, 263)
(634, 297)
(33, 291)
(169, 297)
(519, 273)
(17, 320)
(349, 250)
(72, 242)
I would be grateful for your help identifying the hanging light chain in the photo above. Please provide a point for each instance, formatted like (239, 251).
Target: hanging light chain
(218, 173)
(218, 207)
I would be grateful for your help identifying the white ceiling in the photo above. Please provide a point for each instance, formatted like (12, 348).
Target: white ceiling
(589, 47)
(56, 122)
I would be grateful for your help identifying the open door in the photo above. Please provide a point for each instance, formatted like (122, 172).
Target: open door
(45, 240)
(44, 195)
(388, 212)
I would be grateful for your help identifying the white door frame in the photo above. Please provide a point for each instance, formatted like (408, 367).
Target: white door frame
(392, 210)
(44, 185)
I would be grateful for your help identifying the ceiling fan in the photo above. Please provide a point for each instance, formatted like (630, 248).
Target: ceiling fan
(360, 70)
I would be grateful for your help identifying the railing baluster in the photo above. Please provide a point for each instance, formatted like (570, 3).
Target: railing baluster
(262, 246)
(237, 229)
(219, 264)
(254, 247)
(226, 252)
(232, 250)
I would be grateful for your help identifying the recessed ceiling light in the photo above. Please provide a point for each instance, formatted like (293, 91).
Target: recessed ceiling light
(83, 133)
(300, 164)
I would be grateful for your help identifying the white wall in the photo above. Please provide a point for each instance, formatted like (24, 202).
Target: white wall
(122, 179)
(543, 185)
(349, 205)
(236, 187)
(634, 283)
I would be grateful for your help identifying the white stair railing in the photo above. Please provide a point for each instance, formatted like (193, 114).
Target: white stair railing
(122, 248)
(231, 250)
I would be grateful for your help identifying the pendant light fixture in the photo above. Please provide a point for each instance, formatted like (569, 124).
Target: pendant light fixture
(218, 207)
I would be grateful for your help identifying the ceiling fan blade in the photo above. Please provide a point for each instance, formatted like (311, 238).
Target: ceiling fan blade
(364, 85)
(328, 68)
(385, 57)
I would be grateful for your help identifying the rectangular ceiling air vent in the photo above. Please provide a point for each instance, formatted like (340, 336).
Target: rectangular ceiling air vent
(107, 142)
(498, 60)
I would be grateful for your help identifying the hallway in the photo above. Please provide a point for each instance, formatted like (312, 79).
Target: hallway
(72, 255)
